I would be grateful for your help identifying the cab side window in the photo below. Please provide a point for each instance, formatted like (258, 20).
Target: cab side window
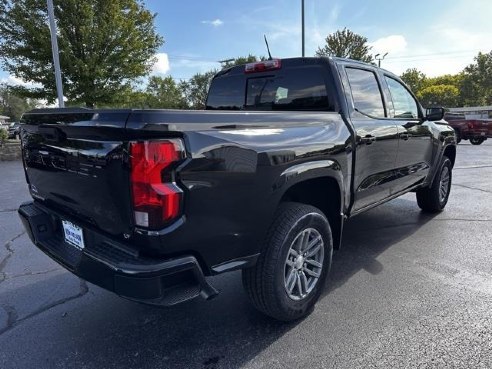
(404, 104)
(366, 92)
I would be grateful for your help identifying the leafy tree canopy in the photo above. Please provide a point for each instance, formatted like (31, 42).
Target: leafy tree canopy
(346, 44)
(12, 105)
(196, 89)
(439, 95)
(414, 79)
(165, 93)
(105, 46)
(476, 84)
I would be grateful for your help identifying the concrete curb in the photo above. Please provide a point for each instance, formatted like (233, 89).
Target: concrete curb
(10, 150)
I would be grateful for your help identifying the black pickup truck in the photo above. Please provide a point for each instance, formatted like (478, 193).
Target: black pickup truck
(148, 203)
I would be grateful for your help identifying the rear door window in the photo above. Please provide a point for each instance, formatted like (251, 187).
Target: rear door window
(366, 92)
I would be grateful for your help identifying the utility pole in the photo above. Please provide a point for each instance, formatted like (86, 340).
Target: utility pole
(379, 59)
(56, 56)
(303, 34)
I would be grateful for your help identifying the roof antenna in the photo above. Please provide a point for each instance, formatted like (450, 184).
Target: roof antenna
(268, 48)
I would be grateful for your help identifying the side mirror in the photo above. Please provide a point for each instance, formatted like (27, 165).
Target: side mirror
(433, 114)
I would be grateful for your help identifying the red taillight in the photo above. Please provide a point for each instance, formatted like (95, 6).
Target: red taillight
(156, 197)
(263, 66)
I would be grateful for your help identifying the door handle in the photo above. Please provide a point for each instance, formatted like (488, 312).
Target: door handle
(404, 136)
(368, 139)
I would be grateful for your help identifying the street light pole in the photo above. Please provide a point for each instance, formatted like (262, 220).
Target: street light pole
(379, 59)
(56, 57)
(303, 34)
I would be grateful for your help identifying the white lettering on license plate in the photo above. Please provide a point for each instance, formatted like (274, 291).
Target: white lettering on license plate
(73, 234)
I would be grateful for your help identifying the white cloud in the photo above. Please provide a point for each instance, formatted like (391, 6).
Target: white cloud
(394, 45)
(200, 66)
(448, 44)
(161, 66)
(14, 81)
(216, 22)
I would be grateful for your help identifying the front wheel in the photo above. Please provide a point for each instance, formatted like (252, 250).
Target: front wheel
(290, 273)
(477, 140)
(433, 199)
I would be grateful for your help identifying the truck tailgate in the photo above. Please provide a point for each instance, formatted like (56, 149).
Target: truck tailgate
(75, 163)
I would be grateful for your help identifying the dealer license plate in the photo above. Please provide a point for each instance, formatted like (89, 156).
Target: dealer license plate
(73, 234)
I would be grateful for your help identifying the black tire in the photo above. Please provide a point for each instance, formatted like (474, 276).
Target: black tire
(477, 140)
(431, 199)
(458, 136)
(266, 282)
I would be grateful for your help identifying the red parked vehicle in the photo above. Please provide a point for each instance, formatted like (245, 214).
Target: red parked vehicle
(475, 130)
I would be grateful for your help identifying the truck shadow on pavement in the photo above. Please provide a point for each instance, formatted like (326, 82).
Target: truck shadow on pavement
(98, 329)
(369, 234)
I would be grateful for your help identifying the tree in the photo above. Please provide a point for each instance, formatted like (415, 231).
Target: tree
(12, 105)
(414, 79)
(476, 83)
(439, 95)
(446, 79)
(132, 99)
(346, 44)
(196, 89)
(105, 46)
(165, 93)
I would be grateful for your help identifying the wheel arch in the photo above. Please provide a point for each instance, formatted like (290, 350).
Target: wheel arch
(450, 152)
(325, 193)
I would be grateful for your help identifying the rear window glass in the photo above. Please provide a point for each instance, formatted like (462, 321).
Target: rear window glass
(297, 89)
(226, 93)
(301, 89)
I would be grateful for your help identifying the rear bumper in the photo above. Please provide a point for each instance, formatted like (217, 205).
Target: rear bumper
(114, 266)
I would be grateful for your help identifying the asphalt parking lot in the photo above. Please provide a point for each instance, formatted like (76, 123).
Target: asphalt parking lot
(406, 290)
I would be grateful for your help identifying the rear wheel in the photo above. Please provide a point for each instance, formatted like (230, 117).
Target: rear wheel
(477, 140)
(433, 199)
(291, 271)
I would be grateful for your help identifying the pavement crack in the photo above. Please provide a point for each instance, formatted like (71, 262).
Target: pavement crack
(13, 317)
(471, 188)
(15, 237)
(83, 289)
(32, 273)
(10, 250)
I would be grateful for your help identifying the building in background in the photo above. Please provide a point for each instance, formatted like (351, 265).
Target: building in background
(4, 121)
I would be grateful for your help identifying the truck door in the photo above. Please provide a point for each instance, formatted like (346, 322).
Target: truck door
(415, 137)
(376, 138)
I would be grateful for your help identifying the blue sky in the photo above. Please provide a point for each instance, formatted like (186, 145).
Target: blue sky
(435, 36)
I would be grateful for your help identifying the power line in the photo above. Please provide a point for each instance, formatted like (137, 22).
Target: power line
(441, 54)
(407, 60)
